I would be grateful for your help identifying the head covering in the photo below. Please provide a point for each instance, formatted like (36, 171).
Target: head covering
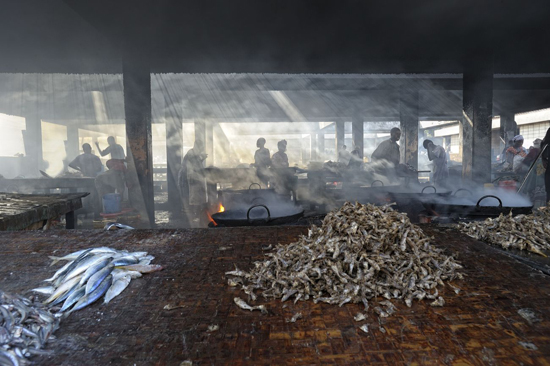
(537, 143)
(517, 138)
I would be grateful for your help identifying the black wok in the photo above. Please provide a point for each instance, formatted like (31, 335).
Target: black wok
(259, 215)
(382, 194)
(468, 206)
(231, 199)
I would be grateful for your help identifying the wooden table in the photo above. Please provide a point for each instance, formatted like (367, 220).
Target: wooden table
(478, 326)
(47, 185)
(21, 211)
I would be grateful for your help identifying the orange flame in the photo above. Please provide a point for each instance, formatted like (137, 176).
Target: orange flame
(221, 208)
(211, 219)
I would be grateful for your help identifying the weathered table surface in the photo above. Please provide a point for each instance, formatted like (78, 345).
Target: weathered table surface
(19, 211)
(28, 185)
(480, 325)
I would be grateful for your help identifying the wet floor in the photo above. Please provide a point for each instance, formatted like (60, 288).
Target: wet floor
(484, 324)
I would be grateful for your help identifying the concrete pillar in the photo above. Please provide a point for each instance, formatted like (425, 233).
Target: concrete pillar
(223, 146)
(508, 126)
(314, 154)
(72, 146)
(200, 134)
(408, 118)
(321, 146)
(340, 136)
(32, 139)
(174, 152)
(357, 133)
(137, 108)
(209, 142)
(477, 119)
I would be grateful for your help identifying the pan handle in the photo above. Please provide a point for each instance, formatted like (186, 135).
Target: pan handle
(487, 196)
(435, 189)
(372, 184)
(254, 184)
(264, 206)
(463, 189)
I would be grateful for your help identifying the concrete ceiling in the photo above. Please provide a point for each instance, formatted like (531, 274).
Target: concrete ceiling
(281, 36)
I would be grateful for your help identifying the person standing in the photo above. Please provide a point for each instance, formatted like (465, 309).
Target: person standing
(87, 163)
(283, 179)
(344, 155)
(388, 150)
(438, 155)
(116, 151)
(280, 159)
(262, 161)
(90, 166)
(516, 150)
(355, 160)
(386, 156)
(114, 179)
(193, 182)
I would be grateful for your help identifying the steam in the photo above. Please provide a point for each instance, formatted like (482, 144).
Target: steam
(236, 109)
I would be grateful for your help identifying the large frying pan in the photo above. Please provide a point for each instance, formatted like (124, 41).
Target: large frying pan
(467, 206)
(383, 194)
(259, 215)
(231, 199)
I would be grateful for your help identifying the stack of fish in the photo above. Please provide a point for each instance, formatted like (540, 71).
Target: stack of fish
(25, 327)
(360, 252)
(92, 273)
(523, 232)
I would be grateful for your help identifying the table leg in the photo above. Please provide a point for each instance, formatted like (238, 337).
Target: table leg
(70, 220)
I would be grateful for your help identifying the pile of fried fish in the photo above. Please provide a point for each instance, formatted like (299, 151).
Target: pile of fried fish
(522, 232)
(25, 327)
(93, 273)
(360, 252)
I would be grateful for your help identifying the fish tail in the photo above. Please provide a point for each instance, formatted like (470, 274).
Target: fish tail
(54, 259)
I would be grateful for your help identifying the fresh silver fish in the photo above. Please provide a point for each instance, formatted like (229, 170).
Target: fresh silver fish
(116, 288)
(48, 290)
(93, 296)
(117, 225)
(98, 278)
(95, 266)
(142, 268)
(61, 290)
(125, 261)
(73, 298)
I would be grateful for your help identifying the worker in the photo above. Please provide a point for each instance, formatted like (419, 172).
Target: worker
(193, 182)
(283, 179)
(389, 149)
(90, 166)
(87, 163)
(280, 159)
(262, 161)
(356, 158)
(438, 155)
(386, 157)
(532, 154)
(344, 155)
(116, 151)
(516, 150)
(503, 153)
(533, 185)
(114, 179)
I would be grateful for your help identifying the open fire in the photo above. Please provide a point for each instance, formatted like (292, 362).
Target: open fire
(220, 209)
